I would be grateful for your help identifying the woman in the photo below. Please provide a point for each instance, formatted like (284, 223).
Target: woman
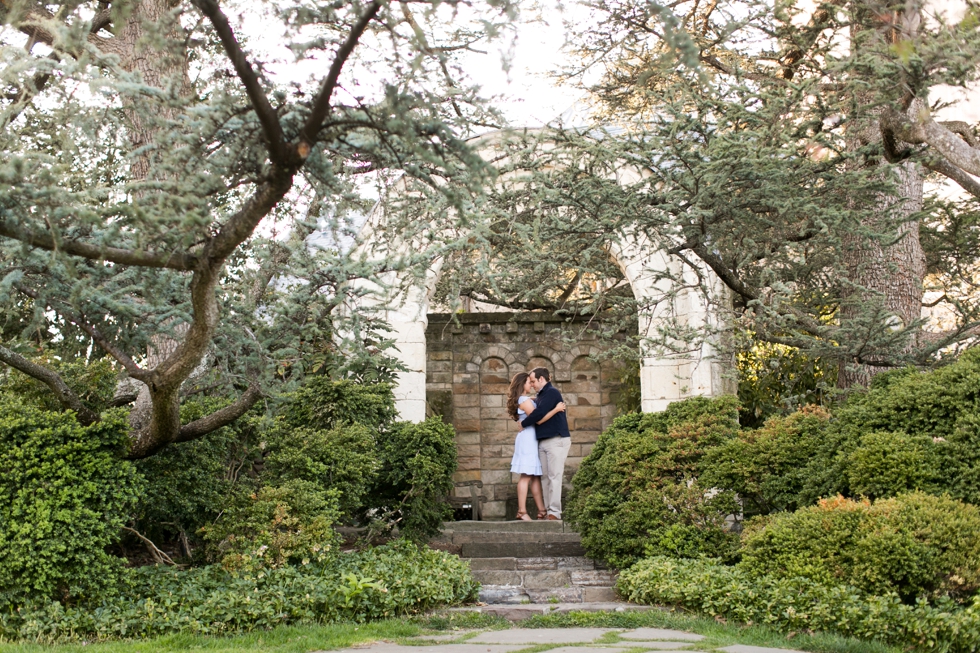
(525, 461)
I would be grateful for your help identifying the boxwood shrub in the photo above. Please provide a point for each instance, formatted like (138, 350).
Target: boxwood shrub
(915, 545)
(637, 493)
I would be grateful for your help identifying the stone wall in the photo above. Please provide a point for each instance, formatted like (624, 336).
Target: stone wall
(468, 370)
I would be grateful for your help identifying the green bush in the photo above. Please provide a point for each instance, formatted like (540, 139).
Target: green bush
(397, 579)
(766, 467)
(94, 382)
(914, 545)
(415, 477)
(343, 459)
(775, 379)
(189, 484)
(637, 493)
(64, 495)
(887, 464)
(943, 405)
(275, 526)
(325, 404)
(800, 604)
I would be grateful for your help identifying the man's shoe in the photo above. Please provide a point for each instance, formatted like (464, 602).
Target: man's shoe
(552, 518)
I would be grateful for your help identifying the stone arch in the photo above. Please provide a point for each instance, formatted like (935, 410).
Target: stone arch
(493, 370)
(666, 373)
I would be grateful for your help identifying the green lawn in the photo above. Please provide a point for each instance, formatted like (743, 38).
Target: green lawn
(302, 639)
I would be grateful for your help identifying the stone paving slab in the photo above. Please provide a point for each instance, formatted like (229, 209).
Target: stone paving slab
(644, 634)
(385, 647)
(742, 648)
(534, 636)
(441, 638)
(656, 646)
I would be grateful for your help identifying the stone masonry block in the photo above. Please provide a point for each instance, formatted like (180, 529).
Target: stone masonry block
(466, 401)
(465, 425)
(472, 412)
(469, 464)
(496, 477)
(492, 401)
(466, 389)
(495, 509)
(467, 438)
(437, 355)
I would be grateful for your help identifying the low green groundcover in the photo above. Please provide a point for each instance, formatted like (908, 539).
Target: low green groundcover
(799, 604)
(395, 579)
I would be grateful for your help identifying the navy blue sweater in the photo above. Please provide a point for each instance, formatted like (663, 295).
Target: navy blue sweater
(548, 397)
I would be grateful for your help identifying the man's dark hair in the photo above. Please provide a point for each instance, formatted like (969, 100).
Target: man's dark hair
(542, 372)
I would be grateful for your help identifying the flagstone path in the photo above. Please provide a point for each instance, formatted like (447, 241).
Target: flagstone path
(561, 640)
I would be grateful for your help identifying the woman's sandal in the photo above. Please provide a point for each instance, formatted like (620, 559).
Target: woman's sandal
(523, 516)
(542, 514)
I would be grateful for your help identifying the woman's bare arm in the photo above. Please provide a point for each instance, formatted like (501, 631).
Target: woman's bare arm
(560, 408)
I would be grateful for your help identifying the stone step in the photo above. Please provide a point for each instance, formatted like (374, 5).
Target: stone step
(518, 526)
(515, 538)
(513, 595)
(552, 562)
(520, 612)
(522, 549)
(544, 579)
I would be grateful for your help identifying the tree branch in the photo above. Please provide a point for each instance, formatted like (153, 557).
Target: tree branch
(267, 115)
(121, 357)
(66, 397)
(948, 170)
(175, 261)
(220, 418)
(321, 106)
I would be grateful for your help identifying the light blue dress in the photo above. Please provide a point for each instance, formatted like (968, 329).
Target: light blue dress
(525, 460)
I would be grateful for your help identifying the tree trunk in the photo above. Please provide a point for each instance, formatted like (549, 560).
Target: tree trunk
(885, 281)
(160, 69)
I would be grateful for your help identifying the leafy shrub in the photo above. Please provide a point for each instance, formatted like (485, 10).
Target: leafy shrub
(767, 467)
(325, 404)
(800, 604)
(775, 379)
(344, 459)
(914, 545)
(64, 495)
(275, 526)
(887, 464)
(942, 404)
(637, 493)
(94, 382)
(400, 578)
(415, 477)
(189, 484)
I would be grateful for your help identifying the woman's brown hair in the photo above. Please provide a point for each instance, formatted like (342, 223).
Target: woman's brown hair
(516, 388)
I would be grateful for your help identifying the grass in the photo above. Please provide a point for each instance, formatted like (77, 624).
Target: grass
(302, 639)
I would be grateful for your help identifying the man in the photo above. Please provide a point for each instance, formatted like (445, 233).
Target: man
(554, 440)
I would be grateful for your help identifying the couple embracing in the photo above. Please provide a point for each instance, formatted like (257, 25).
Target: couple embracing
(542, 444)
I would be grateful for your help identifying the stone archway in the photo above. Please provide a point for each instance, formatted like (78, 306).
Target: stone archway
(458, 367)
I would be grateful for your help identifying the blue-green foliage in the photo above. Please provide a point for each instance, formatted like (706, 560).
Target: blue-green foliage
(396, 579)
(64, 496)
(800, 604)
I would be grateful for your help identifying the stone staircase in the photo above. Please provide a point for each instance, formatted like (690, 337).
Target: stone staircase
(537, 562)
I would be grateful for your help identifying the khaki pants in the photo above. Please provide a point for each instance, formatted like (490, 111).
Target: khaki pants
(552, 453)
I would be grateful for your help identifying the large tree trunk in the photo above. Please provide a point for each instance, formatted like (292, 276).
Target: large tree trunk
(887, 280)
(884, 280)
(160, 69)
